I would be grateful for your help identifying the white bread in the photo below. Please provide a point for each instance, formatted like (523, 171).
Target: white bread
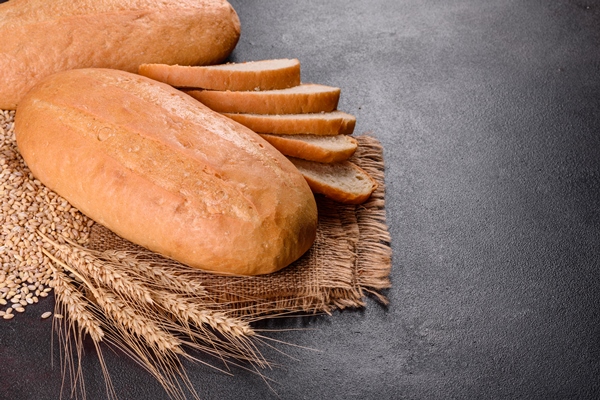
(161, 170)
(344, 182)
(301, 99)
(252, 75)
(40, 37)
(330, 123)
(325, 149)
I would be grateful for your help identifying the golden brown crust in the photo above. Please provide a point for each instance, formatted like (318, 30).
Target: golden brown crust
(263, 75)
(302, 99)
(165, 172)
(330, 124)
(295, 146)
(41, 37)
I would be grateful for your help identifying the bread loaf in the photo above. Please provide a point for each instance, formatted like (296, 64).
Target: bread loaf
(344, 182)
(163, 171)
(40, 37)
(251, 75)
(330, 123)
(304, 98)
(325, 149)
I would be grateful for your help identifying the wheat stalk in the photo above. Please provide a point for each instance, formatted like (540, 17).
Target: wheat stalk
(104, 273)
(73, 303)
(132, 331)
(75, 317)
(122, 282)
(165, 275)
(122, 313)
(188, 311)
(149, 309)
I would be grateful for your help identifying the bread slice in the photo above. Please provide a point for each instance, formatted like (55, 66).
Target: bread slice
(325, 149)
(344, 182)
(301, 99)
(252, 75)
(330, 123)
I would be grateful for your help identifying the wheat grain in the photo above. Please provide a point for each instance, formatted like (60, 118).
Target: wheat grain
(28, 206)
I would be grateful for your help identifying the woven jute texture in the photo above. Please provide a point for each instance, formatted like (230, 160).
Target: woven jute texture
(350, 259)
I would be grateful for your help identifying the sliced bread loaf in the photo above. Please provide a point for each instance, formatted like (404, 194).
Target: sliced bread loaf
(329, 123)
(301, 99)
(343, 182)
(325, 149)
(252, 75)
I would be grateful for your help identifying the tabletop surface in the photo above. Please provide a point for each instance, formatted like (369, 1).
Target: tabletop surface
(489, 115)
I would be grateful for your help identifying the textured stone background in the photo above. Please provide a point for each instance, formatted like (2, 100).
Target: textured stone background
(489, 113)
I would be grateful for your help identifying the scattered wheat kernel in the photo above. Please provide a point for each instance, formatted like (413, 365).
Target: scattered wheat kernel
(46, 314)
(8, 316)
(27, 206)
(20, 309)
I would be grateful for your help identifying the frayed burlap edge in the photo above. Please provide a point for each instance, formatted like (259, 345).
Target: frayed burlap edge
(350, 259)
(373, 251)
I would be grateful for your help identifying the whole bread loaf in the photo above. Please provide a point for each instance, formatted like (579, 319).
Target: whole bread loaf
(163, 171)
(40, 37)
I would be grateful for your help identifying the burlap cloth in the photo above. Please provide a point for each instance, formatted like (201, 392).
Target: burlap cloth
(350, 259)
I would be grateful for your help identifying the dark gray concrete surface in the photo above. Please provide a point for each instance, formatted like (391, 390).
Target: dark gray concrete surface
(489, 113)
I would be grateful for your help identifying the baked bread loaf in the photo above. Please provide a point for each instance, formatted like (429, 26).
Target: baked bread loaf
(325, 149)
(304, 98)
(252, 75)
(330, 123)
(40, 37)
(344, 182)
(163, 171)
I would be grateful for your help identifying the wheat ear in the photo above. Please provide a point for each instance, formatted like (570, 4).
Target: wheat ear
(75, 317)
(74, 304)
(120, 312)
(104, 273)
(165, 274)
